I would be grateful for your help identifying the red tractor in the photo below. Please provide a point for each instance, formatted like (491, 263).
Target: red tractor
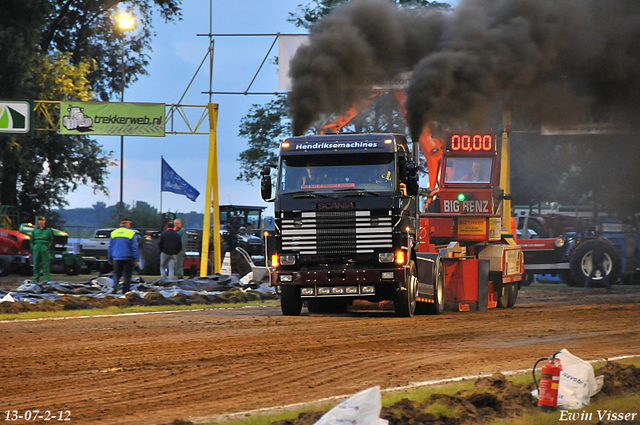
(562, 245)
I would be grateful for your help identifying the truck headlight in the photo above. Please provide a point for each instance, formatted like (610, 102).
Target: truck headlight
(286, 278)
(287, 259)
(559, 242)
(385, 257)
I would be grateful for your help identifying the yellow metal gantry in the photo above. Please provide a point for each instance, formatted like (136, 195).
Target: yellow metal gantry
(177, 121)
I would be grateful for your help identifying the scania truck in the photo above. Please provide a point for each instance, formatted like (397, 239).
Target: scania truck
(349, 226)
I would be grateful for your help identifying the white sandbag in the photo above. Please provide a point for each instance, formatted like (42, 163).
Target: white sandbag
(577, 381)
(362, 408)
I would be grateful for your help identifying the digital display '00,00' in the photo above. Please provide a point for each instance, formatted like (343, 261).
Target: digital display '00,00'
(471, 142)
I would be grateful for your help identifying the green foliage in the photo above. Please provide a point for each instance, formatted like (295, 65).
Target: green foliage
(309, 14)
(142, 216)
(65, 50)
(264, 126)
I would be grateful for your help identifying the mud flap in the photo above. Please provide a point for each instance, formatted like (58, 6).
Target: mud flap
(426, 268)
(483, 285)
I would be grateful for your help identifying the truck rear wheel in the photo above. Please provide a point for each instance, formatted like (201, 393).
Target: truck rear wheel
(527, 279)
(405, 299)
(504, 294)
(290, 300)
(581, 264)
(438, 292)
(513, 295)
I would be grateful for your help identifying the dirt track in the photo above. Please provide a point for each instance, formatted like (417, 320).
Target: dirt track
(147, 369)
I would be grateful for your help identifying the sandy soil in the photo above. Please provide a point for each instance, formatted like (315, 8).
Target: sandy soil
(193, 365)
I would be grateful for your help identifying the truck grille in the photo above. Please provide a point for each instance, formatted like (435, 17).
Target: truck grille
(337, 232)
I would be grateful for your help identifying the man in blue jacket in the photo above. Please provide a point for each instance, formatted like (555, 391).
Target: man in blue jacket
(123, 254)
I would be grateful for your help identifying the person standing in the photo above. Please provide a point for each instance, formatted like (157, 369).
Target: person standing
(170, 245)
(123, 254)
(180, 256)
(42, 240)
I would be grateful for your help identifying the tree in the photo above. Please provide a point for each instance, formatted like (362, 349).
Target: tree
(266, 124)
(142, 215)
(309, 14)
(64, 50)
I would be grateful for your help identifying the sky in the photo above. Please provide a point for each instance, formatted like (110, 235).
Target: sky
(177, 53)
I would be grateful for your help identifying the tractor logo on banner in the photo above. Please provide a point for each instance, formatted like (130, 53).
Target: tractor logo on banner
(77, 120)
(16, 117)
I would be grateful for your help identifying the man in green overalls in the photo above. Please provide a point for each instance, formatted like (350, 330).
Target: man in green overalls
(40, 243)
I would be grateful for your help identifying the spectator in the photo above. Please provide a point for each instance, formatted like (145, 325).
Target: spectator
(123, 254)
(170, 245)
(42, 240)
(180, 256)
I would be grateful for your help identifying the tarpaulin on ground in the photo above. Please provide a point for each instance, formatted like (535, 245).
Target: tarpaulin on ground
(103, 286)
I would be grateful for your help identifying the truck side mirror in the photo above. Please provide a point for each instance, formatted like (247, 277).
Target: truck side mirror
(265, 182)
(413, 187)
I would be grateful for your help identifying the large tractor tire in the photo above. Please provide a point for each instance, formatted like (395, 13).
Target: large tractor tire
(290, 300)
(149, 256)
(580, 263)
(405, 300)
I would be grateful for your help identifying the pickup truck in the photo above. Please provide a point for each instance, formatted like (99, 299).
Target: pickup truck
(98, 247)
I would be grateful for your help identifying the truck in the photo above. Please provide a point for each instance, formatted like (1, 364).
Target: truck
(349, 226)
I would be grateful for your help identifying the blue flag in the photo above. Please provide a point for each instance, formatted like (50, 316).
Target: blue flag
(172, 182)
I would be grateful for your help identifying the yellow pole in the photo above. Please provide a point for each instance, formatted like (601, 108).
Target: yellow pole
(505, 169)
(211, 206)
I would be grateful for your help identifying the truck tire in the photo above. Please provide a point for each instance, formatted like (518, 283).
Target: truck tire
(527, 279)
(5, 267)
(438, 292)
(404, 300)
(513, 294)
(149, 256)
(504, 294)
(580, 263)
(290, 301)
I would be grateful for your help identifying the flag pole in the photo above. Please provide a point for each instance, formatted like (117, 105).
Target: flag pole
(161, 161)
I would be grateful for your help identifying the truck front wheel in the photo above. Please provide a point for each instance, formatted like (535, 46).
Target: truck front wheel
(405, 299)
(290, 300)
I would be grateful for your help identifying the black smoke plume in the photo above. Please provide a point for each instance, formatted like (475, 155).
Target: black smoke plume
(560, 57)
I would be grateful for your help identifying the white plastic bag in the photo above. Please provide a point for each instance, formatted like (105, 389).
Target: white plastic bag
(362, 408)
(577, 381)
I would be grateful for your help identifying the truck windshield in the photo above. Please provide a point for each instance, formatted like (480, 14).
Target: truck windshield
(371, 172)
(468, 170)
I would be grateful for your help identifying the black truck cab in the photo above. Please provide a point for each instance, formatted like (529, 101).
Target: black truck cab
(346, 218)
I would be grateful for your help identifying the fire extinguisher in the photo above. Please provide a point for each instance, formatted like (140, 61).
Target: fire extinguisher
(549, 382)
